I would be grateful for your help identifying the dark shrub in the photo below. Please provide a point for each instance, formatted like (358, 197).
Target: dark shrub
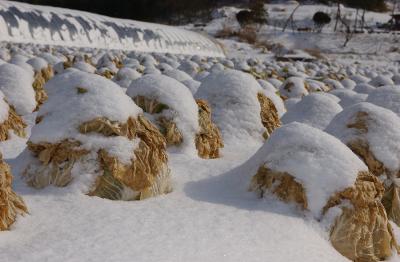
(321, 19)
(244, 17)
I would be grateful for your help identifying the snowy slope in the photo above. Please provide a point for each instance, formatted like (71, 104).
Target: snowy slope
(209, 216)
(57, 26)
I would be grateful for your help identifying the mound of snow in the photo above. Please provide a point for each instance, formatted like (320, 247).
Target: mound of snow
(364, 88)
(182, 108)
(387, 97)
(318, 161)
(293, 87)
(16, 84)
(76, 97)
(348, 97)
(232, 96)
(381, 80)
(316, 110)
(380, 130)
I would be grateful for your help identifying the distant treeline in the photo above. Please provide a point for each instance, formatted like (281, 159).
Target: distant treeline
(170, 11)
(174, 11)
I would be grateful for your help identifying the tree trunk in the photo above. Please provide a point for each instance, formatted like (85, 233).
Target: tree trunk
(290, 19)
(363, 20)
(356, 20)
(338, 15)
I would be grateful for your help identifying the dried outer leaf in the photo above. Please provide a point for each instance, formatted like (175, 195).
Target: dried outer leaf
(56, 163)
(167, 127)
(88, 60)
(208, 140)
(11, 204)
(13, 123)
(361, 148)
(269, 114)
(57, 153)
(107, 186)
(40, 79)
(81, 90)
(68, 63)
(146, 176)
(360, 122)
(107, 74)
(118, 63)
(281, 184)
(47, 73)
(172, 134)
(103, 126)
(391, 202)
(150, 106)
(362, 232)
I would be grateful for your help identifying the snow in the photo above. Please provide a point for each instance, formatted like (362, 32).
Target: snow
(381, 80)
(289, 103)
(383, 129)
(315, 110)
(359, 79)
(58, 26)
(178, 75)
(210, 215)
(317, 160)
(84, 67)
(267, 86)
(348, 97)
(232, 96)
(50, 58)
(37, 63)
(348, 83)
(364, 88)
(278, 102)
(16, 84)
(182, 110)
(333, 84)
(387, 97)
(67, 108)
(207, 217)
(3, 108)
(293, 87)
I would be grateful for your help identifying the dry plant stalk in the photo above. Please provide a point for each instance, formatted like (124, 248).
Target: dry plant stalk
(13, 123)
(269, 115)
(147, 175)
(56, 163)
(107, 74)
(360, 146)
(11, 204)
(40, 80)
(391, 202)
(281, 184)
(167, 127)
(209, 139)
(362, 232)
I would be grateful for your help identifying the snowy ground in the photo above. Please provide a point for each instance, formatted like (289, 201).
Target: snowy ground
(208, 217)
(365, 47)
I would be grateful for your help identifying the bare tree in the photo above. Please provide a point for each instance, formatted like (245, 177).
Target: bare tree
(338, 15)
(290, 19)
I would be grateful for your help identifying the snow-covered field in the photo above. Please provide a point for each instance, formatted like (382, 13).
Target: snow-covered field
(365, 47)
(236, 158)
(24, 23)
